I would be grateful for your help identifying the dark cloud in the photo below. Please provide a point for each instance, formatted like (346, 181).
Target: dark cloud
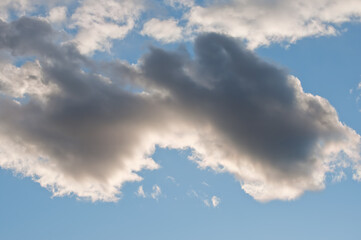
(260, 113)
(237, 112)
(26, 35)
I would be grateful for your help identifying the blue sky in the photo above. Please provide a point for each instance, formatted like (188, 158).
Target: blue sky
(112, 146)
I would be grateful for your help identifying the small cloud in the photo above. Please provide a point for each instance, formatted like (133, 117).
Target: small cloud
(166, 31)
(156, 192)
(140, 192)
(216, 201)
(180, 3)
(205, 184)
(338, 177)
(57, 15)
(172, 179)
(213, 202)
(193, 193)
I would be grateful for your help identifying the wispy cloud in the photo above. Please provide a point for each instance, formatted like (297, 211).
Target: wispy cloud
(156, 192)
(205, 184)
(206, 202)
(140, 192)
(216, 201)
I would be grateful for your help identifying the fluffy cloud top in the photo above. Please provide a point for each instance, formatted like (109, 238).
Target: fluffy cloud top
(100, 22)
(163, 30)
(140, 192)
(93, 25)
(236, 112)
(262, 22)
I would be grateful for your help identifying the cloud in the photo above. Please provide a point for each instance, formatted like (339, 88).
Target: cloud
(179, 3)
(162, 30)
(262, 22)
(172, 179)
(205, 183)
(140, 192)
(15, 5)
(213, 202)
(254, 120)
(86, 137)
(99, 23)
(216, 201)
(57, 14)
(206, 202)
(12, 8)
(156, 192)
(238, 114)
(94, 25)
(27, 79)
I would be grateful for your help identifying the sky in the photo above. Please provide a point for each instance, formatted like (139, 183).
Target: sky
(180, 119)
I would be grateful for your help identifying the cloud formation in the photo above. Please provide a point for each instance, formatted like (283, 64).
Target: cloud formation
(100, 22)
(140, 192)
(162, 30)
(261, 22)
(93, 26)
(216, 201)
(238, 114)
(156, 192)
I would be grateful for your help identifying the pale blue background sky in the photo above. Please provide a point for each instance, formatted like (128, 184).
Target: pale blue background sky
(29, 212)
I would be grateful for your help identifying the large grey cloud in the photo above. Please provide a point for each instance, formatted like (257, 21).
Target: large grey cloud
(265, 124)
(100, 122)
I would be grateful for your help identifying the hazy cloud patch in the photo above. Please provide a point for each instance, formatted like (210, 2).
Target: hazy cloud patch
(163, 30)
(156, 192)
(215, 201)
(140, 192)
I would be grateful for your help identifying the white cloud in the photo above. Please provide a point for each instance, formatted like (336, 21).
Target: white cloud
(25, 7)
(262, 22)
(205, 183)
(339, 176)
(25, 80)
(206, 202)
(179, 3)
(57, 14)
(173, 180)
(238, 114)
(15, 5)
(156, 192)
(140, 192)
(163, 30)
(213, 202)
(100, 22)
(259, 22)
(216, 201)
(193, 193)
